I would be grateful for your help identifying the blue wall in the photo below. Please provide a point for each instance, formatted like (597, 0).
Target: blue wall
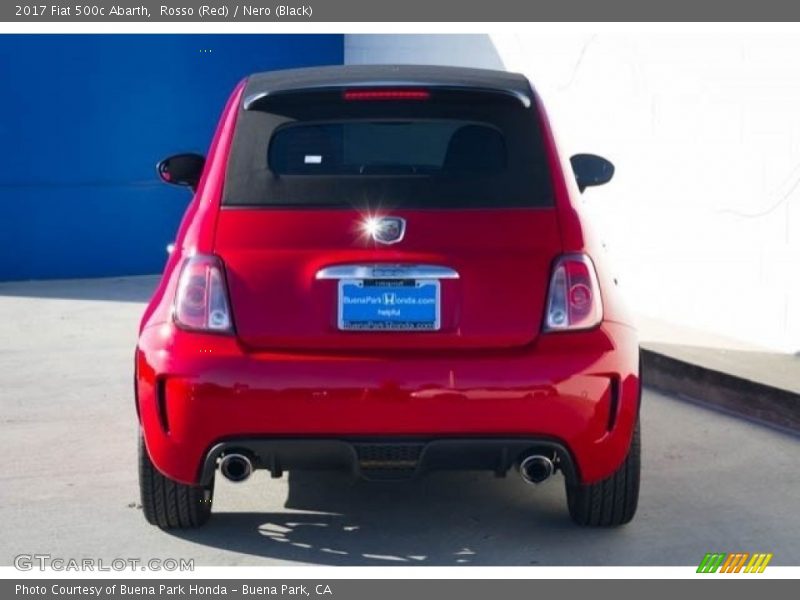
(84, 119)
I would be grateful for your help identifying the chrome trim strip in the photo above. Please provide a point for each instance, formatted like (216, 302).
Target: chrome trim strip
(387, 271)
(523, 99)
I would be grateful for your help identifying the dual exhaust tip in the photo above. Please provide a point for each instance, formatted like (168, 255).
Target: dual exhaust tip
(236, 467)
(536, 468)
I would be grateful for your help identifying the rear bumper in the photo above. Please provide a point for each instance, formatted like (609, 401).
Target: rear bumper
(578, 392)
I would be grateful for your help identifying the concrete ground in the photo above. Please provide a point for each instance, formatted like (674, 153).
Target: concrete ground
(68, 484)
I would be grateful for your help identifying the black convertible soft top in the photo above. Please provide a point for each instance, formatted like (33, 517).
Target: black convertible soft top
(474, 141)
(271, 83)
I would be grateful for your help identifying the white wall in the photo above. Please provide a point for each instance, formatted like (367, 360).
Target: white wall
(703, 216)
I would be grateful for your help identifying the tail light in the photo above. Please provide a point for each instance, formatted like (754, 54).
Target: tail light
(574, 298)
(201, 303)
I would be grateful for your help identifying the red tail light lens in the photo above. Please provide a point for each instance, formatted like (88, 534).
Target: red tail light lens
(574, 298)
(386, 94)
(201, 303)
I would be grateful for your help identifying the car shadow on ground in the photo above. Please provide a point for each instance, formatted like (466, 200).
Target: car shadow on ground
(440, 519)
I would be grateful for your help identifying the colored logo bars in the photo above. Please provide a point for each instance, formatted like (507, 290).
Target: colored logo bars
(735, 562)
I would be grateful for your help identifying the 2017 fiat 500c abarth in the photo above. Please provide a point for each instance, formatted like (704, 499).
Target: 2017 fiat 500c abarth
(384, 270)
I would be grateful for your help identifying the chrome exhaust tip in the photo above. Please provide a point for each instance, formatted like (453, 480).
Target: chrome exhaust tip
(536, 468)
(236, 467)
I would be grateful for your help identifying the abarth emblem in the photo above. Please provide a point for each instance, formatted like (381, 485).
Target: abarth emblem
(388, 230)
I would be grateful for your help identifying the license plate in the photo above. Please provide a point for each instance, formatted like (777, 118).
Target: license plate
(389, 304)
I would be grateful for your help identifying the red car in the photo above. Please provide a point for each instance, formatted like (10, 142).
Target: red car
(384, 269)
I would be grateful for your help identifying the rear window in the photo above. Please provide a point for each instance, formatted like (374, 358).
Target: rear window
(387, 148)
(469, 153)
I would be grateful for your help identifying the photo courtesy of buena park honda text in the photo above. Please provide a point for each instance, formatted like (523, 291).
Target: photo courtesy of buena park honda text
(352, 299)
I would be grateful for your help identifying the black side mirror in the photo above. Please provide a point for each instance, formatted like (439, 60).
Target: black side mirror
(591, 169)
(182, 169)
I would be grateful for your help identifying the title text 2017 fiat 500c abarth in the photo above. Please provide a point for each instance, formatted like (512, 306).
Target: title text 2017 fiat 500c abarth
(384, 270)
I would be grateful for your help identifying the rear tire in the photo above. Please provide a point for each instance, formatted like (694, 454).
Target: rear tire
(168, 503)
(610, 502)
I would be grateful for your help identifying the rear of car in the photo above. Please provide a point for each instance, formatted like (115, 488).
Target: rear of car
(384, 270)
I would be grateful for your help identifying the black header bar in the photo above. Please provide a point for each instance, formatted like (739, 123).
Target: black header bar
(449, 11)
